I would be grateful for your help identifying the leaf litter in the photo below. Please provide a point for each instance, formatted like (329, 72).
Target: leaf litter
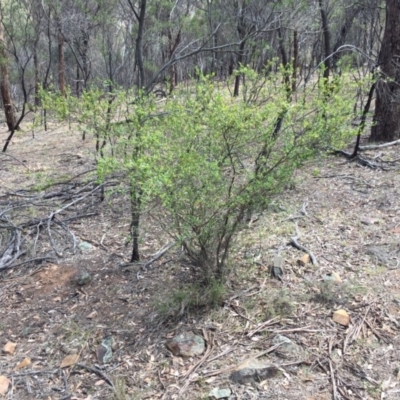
(345, 216)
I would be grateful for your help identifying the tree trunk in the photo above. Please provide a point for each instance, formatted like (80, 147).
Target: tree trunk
(387, 109)
(61, 64)
(36, 68)
(295, 62)
(139, 45)
(342, 35)
(11, 119)
(36, 15)
(239, 64)
(135, 221)
(242, 32)
(173, 45)
(285, 63)
(327, 40)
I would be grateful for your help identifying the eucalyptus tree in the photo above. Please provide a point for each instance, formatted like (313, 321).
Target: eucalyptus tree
(386, 125)
(19, 42)
(5, 81)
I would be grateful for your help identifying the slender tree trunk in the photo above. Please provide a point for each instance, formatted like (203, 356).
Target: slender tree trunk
(135, 217)
(327, 40)
(78, 81)
(387, 109)
(11, 119)
(36, 72)
(139, 45)
(295, 61)
(239, 64)
(285, 63)
(61, 64)
(173, 44)
(341, 38)
(85, 58)
(36, 15)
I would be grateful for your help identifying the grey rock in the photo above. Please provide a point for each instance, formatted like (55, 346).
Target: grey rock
(287, 349)
(220, 393)
(85, 246)
(277, 267)
(104, 351)
(187, 344)
(253, 371)
(82, 278)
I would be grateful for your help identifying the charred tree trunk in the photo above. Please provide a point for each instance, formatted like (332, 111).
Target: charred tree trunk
(341, 38)
(61, 64)
(36, 68)
(239, 64)
(242, 33)
(387, 109)
(327, 40)
(139, 45)
(295, 61)
(173, 45)
(37, 17)
(11, 119)
(135, 221)
(285, 63)
(78, 81)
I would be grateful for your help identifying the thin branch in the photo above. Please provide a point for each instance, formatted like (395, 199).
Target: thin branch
(294, 242)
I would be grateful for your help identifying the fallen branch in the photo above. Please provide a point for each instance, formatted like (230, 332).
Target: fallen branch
(359, 160)
(294, 242)
(231, 368)
(96, 371)
(379, 337)
(379, 146)
(235, 309)
(13, 247)
(306, 329)
(16, 159)
(263, 326)
(354, 333)
(332, 373)
(35, 372)
(144, 265)
(35, 261)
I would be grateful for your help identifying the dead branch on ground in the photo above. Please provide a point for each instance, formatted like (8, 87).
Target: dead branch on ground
(294, 242)
(46, 237)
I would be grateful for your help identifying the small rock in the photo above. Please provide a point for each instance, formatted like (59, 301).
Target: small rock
(9, 347)
(220, 393)
(277, 267)
(4, 384)
(341, 317)
(287, 349)
(187, 344)
(104, 351)
(26, 331)
(82, 278)
(69, 361)
(253, 370)
(369, 221)
(334, 276)
(85, 246)
(92, 315)
(304, 260)
(26, 362)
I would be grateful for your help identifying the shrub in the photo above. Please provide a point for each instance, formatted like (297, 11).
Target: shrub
(210, 160)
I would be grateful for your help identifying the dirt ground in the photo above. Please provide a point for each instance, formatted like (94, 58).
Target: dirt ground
(347, 215)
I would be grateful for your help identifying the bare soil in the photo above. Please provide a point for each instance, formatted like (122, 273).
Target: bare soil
(348, 216)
